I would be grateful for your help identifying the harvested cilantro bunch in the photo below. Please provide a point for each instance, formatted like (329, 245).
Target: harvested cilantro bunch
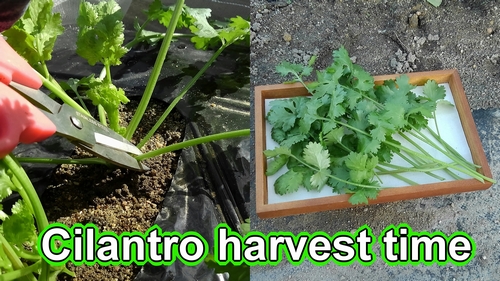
(342, 135)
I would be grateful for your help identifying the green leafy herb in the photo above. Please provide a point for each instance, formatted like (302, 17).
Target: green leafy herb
(100, 39)
(34, 35)
(110, 97)
(100, 35)
(197, 20)
(342, 135)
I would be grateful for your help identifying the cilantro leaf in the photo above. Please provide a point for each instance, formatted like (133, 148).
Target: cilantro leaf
(319, 179)
(100, 35)
(238, 29)
(363, 81)
(277, 151)
(361, 196)
(297, 70)
(342, 61)
(19, 228)
(6, 185)
(34, 35)
(334, 136)
(294, 136)
(289, 182)
(316, 155)
(361, 166)
(276, 164)
(433, 91)
(110, 97)
(282, 114)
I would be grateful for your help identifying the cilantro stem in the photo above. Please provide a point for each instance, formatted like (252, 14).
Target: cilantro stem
(22, 272)
(62, 95)
(450, 149)
(162, 54)
(8, 253)
(400, 177)
(448, 154)
(86, 161)
(423, 168)
(417, 161)
(27, 255)
(193, 142)
(32, 196)
(181, 95)
(448, 171)
(465, 170)
(102, 114)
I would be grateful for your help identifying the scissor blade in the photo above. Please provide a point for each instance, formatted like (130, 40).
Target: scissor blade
(116, 157)
(37, 98)
(116, 144)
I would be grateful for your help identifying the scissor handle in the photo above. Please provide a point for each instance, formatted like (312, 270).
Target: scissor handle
(20, 121)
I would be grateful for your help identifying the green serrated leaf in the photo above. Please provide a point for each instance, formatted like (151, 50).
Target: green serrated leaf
(101, 33)
(276, 164)
(287, 183)
(433, 91)
(283, 114)
(316, 155)
(110, 97)
(362, 195)
(342, 61)
(19, 228)
(319, 179)
(334, 136)
(34, 35)
(277, 151)
(6, 185)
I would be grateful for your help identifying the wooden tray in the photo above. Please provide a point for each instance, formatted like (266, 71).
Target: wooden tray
(267, 210)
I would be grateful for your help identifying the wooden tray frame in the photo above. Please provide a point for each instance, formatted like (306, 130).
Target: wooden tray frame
(265, 210)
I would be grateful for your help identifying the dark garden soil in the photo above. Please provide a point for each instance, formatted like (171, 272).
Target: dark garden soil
(116, 199)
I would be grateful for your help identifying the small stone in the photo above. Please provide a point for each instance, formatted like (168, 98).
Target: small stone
(394, 62)
(411, 58)
(256, 26)
(495, 58)
(287, 37)
(413, 21)
(489, 30)
(421, 41)
(433, 37)
(258, 16)
(354, 59)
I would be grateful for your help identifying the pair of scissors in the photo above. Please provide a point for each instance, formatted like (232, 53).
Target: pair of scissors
(29, 115)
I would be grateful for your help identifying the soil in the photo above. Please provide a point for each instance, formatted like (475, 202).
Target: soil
(116, 199)
(384, 37)
(387, 37)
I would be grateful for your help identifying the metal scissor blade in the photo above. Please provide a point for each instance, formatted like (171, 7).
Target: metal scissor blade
(37, 98)
(116, 157)
(116, 144)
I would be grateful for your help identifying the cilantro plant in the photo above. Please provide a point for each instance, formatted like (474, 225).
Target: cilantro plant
(342, 136)
(19, 256)
(100, 41)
